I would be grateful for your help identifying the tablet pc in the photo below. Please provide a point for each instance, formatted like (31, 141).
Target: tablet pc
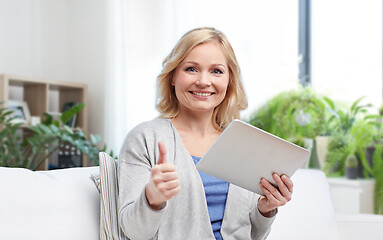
(243, 155)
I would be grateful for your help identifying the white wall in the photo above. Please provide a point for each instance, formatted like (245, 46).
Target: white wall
(61, 40)
(34, 38)
(86, 55)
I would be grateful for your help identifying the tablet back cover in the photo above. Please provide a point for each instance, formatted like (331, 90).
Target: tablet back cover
(244, 154)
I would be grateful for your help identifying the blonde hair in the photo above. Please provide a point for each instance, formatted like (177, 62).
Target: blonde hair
(235, 99)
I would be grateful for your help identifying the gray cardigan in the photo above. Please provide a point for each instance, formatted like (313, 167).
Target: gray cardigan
(185, 215)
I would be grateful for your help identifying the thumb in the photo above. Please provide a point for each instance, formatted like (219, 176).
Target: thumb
(162, 149)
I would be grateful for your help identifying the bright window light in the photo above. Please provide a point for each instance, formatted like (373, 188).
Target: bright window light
(347, 49)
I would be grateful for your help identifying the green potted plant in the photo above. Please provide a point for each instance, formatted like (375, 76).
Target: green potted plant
(373, 167)
(42, 140)
(364, 138)
(377, 173)
(352, 131)
(322, 140)
(351, 167)
(337, 152)
(292, 115)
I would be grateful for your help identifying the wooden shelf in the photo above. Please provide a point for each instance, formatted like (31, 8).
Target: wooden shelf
(43, 95)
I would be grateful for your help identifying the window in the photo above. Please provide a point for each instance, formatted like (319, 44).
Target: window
(346, 49)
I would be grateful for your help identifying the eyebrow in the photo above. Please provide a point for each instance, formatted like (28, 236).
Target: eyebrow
(196, 63)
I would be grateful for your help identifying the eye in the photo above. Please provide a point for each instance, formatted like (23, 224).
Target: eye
(217, 71)
(190, 69)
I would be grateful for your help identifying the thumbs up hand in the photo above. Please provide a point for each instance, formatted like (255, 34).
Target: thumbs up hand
(163, 183)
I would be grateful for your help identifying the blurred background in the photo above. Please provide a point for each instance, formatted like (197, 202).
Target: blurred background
(116, 47)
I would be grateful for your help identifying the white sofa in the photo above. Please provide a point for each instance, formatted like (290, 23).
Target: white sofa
(54, 205)
(65, 204)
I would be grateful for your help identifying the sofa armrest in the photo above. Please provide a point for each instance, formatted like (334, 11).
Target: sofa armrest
(310, 213)
(359, 226)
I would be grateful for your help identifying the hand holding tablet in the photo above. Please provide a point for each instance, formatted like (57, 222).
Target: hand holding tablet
(244, 154)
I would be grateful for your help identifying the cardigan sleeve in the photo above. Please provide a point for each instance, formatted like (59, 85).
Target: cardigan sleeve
(138, 153)
(260, 225)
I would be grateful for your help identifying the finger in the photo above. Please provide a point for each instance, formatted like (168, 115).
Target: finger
(288, 182)
(168, 191)
(171, 193)
(163, 187)
(272, 202)
(172, 184)
(163, 173)
(270, 197)
(165, 167)
(270, 188)
(162, 150)
(283, 189)
(156, 171)
(168, 176)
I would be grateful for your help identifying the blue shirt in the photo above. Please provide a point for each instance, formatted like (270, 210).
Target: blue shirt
(216, 194)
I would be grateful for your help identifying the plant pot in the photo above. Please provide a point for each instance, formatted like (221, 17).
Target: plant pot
(308, 143)
(351, 172)
(369, 154)
(321, 143)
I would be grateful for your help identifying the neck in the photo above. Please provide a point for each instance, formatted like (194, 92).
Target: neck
(198, 123)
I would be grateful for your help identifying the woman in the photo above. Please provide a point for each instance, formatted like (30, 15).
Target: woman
(162, 195)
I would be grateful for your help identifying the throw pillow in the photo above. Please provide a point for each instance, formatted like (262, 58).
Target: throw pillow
(109, 225)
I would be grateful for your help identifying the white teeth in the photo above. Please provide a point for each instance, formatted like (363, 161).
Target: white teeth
(202, 94)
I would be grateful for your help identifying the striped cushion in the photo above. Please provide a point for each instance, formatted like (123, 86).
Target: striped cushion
(109, 226)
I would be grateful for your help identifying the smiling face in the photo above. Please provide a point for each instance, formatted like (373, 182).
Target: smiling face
(201, 79)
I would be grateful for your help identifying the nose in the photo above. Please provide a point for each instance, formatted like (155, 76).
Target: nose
(203, 80)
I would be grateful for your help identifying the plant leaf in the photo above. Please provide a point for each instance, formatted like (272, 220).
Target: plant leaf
(70, 113)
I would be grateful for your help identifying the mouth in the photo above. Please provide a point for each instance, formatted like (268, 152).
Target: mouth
(202, 94)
